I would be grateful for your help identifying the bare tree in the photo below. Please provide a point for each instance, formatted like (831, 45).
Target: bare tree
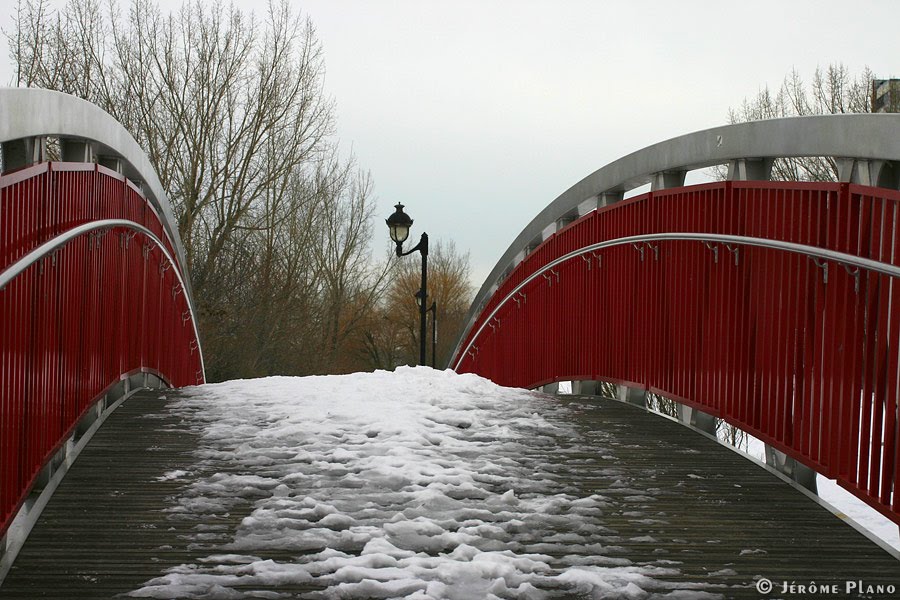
(834, 90)
(234, 117)
(350, 287)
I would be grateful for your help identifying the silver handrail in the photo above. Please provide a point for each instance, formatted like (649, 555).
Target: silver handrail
(47, 248)
(822, 253)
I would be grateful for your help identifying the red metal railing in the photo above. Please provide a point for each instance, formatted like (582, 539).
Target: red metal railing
(107, 304)
(797, 349)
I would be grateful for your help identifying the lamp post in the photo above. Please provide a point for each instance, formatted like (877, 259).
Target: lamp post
(433, 310)
(399, 224)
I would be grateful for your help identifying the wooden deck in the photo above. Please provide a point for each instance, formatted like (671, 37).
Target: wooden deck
(716, 516)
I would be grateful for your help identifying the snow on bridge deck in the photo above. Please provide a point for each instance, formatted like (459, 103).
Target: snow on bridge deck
(421, 484)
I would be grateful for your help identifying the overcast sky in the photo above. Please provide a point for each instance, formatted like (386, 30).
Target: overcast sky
(477, 114)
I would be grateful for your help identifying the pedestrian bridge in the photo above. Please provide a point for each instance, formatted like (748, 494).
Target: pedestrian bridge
(422, 484)
(767, 305)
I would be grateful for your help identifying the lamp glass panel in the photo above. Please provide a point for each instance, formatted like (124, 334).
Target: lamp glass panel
(399, 233)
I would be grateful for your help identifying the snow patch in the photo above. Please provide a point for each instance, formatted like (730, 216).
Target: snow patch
(417, 484)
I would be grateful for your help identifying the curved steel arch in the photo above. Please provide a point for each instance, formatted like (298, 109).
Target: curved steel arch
(871, 137)
(32, 113)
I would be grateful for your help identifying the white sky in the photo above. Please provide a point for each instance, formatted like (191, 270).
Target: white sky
(475, 115)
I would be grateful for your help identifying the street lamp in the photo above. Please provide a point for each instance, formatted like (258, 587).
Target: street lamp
(399, 224)
(433, 310)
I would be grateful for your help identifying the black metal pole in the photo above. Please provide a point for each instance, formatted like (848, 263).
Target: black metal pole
(422, 247)
(423, 308)
(433, 310)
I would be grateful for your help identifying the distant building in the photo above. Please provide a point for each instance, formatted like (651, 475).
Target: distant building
(886, 95)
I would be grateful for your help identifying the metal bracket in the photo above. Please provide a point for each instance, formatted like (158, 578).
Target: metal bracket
(640, 249)
(94, 239)
(548, 278)
(43, 261)
(176, 289)
(164, 266)
(854, 273)
(146, 251)
(185, 317)
(736, 251)
(822, 265)
(127, 236)
(555, 272)
(587, 258)
(715, 250)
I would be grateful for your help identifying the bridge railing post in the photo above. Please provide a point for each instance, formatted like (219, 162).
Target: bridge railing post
(750, 169)
(667, 179)
(630, 395)
(76, 150)
(605, 199)
(113, 163)
(697, 419)
(789, 467)
(584, 388)
(23, 152)
(550, 388)
(882, 173)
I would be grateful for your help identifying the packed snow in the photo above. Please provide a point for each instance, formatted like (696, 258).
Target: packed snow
(416, 484)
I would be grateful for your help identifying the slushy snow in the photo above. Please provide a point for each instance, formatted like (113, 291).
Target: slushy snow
(416, 484)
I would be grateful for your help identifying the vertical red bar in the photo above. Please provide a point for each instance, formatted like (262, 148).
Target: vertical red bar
(869, 290)
(747, 310)
(779, 230)
(768, 323)
(880, 252)
(889, 474)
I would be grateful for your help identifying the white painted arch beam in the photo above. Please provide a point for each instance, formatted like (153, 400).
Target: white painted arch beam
(29, 113)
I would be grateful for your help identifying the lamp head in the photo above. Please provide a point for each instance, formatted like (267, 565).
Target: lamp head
(399, 224)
